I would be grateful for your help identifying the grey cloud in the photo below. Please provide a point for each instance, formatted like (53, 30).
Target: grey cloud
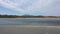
(53, 8)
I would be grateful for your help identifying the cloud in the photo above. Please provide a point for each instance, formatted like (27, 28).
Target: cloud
(34, 7)
(4, 13)
(53, 8)
(25, 4)
(10, 5)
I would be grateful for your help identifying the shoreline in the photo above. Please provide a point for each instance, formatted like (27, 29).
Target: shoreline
(33, 18)
(29, 29)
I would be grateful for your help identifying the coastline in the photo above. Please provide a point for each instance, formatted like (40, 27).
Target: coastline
(33, 18)
(29, 29)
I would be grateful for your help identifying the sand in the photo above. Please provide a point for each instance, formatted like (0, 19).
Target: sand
(31, 18)
(29, 29)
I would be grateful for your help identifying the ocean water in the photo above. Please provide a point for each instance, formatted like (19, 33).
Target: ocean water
(15, 21)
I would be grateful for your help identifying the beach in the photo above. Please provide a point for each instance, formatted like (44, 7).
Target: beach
(29, 26)
(29, 29)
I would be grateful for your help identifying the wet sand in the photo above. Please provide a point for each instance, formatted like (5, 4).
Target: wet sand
(33, 18)
(29, 29)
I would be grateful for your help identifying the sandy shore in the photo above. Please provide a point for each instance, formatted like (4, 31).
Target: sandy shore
(29, 29)
(33, 18)
(4, 29)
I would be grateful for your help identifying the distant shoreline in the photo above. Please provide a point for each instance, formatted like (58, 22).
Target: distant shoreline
(32, 18)
(27, 16)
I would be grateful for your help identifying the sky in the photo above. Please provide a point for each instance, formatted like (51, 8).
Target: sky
(30, 7)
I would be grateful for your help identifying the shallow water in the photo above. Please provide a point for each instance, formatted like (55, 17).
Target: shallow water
(29, 26)
(23, 21)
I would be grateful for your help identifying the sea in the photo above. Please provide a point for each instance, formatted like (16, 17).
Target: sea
(29, 21)
(29, 25)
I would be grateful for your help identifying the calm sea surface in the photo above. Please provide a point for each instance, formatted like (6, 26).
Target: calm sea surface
(24, 21)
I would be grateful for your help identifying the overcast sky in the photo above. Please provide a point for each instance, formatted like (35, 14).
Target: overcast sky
(30, 7)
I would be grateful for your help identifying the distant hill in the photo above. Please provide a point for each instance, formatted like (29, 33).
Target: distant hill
(27, 16)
